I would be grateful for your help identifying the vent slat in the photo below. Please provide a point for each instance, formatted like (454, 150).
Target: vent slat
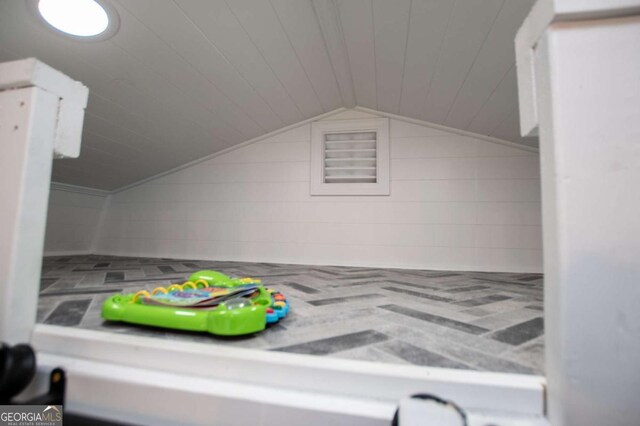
(351, 150)
(350, 177)
(351, 159)
(349, 168)
(350, 141)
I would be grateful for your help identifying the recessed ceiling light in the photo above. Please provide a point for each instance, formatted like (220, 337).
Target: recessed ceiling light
(79, 19)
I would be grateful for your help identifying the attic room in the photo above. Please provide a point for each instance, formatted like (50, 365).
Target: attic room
(321, 211)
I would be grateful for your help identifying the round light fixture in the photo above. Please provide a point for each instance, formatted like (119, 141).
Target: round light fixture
(79, 19)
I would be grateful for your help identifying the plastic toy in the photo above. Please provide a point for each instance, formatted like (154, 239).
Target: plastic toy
(210, 301)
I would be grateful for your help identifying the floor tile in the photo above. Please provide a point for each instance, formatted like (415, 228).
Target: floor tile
(466, 289)
(483, 300)
(335, 344)
(114, 277)
(418, 294)
(334, 300)
(300, 287)
(520, 333)
(68, 313)
(445, 322)
(419, 356)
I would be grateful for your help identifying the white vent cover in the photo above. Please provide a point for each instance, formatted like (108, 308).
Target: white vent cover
(350, 157)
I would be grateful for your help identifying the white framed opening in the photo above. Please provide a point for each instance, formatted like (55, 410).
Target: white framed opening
(133, 369)
(350, 157)
(109, 375)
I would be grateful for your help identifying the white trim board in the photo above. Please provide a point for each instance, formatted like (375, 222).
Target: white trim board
(448, 129)
(342, 379)
(355, 264)
(543, 14)
(72, 98)
(310, 120)
(113, 392)
(99, 387)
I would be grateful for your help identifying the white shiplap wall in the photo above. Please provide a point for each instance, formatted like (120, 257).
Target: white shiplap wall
(456, 203)
(73, 221)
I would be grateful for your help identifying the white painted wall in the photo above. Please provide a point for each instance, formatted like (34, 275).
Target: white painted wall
(72, 221)
(456, 202)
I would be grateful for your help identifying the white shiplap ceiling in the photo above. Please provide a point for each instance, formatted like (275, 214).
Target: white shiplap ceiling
(186, 78)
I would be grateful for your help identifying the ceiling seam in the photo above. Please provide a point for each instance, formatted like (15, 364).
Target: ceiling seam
(435, 68)
(475, 58)
(336, 9)
(192, 67)
(375, 60)
(326, 48)
(284, 30)
(213, 45)
(490, 96)
(293, 101)
(59, 186)
(404, 62)
(329, 55)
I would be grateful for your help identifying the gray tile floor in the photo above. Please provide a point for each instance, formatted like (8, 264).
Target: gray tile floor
(467, 320)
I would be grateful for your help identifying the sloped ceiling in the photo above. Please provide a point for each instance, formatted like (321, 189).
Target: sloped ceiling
(186, 78)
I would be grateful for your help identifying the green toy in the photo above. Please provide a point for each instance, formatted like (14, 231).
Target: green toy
(210, 301)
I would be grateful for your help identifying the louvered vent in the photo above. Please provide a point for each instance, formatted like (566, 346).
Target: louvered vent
(350, 157)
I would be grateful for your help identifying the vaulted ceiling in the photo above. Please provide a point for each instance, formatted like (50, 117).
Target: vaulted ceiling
(186, 78)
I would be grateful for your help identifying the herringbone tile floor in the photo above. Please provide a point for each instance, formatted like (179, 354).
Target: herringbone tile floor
(468, 320)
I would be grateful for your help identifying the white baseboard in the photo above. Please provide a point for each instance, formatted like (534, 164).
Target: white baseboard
(447, 268)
